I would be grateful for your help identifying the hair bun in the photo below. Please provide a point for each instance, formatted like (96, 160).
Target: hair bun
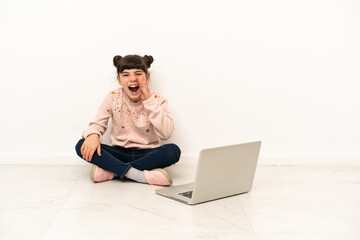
(149, 60)
(116, 60)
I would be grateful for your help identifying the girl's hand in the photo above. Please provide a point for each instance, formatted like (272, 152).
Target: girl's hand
(91, 143)
(144, 89)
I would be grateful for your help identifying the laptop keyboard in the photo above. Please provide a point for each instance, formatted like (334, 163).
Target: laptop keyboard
(186, 194)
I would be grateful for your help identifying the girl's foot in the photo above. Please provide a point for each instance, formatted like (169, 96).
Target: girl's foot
(158, 177)
(100, 175)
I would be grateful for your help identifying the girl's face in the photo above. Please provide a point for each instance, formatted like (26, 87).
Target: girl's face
(132, 80)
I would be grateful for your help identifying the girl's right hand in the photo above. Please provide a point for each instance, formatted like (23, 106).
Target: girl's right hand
(91, 143)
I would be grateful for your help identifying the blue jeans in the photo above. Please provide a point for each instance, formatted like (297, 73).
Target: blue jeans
(119, 160)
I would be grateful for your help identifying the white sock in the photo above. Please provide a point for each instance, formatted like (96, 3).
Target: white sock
(137, 175)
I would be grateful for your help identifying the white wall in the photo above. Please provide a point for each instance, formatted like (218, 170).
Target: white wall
(284, 72)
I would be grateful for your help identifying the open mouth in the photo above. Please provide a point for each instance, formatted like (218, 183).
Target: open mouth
(134, 88)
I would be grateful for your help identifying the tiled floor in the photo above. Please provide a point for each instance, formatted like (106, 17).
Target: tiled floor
(286, 202)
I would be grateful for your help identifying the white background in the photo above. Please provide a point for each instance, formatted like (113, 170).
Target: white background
(284, 72)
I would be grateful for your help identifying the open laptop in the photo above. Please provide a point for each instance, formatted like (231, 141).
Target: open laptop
(221, 172)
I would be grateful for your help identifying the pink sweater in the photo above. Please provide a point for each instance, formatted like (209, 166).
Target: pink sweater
(134, 124)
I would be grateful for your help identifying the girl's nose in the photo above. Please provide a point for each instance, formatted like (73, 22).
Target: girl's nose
(132, 77)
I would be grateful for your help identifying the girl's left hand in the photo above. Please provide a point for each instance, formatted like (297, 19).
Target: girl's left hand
(144, 90)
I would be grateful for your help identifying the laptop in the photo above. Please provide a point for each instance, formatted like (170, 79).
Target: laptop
(221, 172)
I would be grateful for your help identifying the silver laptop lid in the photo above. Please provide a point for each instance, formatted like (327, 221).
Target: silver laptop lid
(225, 171)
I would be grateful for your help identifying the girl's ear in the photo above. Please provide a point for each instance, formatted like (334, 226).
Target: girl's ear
(148, 76)
(118, 78)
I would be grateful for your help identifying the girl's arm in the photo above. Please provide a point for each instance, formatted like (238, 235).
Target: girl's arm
(159, 116)
(99, 125)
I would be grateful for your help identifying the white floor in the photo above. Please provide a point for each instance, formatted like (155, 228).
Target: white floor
(286, 202)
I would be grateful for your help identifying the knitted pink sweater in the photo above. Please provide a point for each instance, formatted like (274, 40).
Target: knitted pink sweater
(134, 124)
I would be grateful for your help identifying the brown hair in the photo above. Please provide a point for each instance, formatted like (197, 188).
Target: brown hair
(132, 62)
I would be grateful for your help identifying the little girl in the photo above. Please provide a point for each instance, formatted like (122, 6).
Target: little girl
(139, 121)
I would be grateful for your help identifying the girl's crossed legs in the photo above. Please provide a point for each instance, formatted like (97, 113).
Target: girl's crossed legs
(119, 160)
